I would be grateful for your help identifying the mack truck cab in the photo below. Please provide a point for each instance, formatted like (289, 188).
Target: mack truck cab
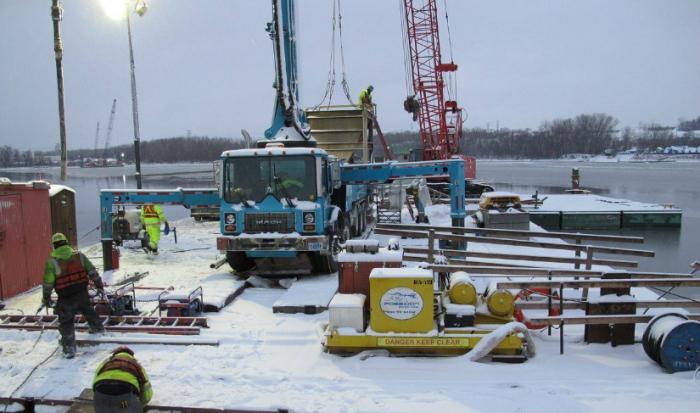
(285, 204)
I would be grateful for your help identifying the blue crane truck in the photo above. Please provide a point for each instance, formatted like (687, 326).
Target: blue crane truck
(285, 202)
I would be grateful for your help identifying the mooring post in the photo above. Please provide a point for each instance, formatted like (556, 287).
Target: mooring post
(431, 246)
(575, 179)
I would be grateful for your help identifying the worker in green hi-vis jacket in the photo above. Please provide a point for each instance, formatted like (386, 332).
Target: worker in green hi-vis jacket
(364, 101)
(69, 272)
(151, 217)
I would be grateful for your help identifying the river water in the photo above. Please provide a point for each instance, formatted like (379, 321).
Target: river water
(87, 182)
(674, 183)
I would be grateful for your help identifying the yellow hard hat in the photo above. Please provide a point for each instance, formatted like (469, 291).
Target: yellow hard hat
(58, 237)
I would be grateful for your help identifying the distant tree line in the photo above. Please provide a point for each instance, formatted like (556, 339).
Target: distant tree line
(13, 157)
(167, 150)
(587, 133)
(689, 125)
(594, 133)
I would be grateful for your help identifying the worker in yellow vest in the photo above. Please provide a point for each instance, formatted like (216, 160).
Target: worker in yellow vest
(365, 98)
(69, 273)
(151, 217)
(364, 101)
(121, 383)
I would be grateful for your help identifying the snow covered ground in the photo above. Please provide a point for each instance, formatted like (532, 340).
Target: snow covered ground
(596, 203)
(268, 360)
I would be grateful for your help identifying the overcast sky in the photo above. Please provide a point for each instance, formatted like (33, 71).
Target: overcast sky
(206, 65)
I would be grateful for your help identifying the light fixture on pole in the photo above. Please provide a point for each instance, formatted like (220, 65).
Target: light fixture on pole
(56, 16)
(139, 8)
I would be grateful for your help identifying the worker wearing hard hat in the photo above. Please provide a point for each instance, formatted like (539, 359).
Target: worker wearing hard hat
(365, 98)
(151, 217)
(69, 273)
(364, 101)
(121, 383)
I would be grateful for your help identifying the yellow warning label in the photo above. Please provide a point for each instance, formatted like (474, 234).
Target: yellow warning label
(423, 341)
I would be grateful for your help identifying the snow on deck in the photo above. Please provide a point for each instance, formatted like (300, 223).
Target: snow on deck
(269, 360)
(315, 291)
(596, 203)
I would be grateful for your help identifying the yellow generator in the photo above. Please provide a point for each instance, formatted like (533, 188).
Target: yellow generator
(401, 300)
(403, 318)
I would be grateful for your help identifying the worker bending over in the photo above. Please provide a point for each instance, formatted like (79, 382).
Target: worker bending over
(69, 273)
(121, 383)
(365, 102)
(151, 217)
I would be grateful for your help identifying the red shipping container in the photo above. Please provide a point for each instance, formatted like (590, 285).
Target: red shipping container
(353, 277)
(25, 235)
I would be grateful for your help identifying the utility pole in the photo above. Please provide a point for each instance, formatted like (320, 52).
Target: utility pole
(134, 104)
(56, 15)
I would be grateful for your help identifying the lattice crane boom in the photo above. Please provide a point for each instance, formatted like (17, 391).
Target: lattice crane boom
(440, 120)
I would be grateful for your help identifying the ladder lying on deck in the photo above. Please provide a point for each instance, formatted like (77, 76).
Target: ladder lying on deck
(122, 324)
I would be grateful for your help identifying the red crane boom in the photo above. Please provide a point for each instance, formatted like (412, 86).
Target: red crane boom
(440, 120)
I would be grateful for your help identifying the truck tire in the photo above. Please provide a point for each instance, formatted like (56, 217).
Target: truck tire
(323, 264)
(239, 262)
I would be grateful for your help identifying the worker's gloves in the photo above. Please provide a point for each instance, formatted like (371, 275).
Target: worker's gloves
(166, 230)
(99, 285)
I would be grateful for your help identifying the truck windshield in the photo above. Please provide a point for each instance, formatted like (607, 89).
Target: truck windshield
(252, 178)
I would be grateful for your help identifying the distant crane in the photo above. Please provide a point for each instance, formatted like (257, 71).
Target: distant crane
(97, 138)
(110, 125)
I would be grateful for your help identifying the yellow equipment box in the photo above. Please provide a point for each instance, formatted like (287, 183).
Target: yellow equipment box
(401, 300)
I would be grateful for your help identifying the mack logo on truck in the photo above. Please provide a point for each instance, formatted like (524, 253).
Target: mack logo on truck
(263, 221)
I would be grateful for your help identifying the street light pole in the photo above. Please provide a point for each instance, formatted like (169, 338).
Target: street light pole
(56, 15)
(134, 105)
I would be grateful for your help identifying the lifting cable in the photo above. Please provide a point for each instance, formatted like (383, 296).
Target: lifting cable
(408, 67)
(452, 84)
(344, 82)
(336, 27)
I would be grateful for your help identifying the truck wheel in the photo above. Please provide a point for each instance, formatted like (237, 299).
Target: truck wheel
(323, 264)
(239, 262)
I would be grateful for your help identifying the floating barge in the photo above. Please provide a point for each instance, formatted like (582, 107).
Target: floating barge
(594, 212)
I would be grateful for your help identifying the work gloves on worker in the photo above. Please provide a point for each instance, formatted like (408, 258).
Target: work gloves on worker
(166, 230)
(99, 285)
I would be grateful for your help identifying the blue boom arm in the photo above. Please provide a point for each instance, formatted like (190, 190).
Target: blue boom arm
(207, 197)
(388, 171)
(287, 111)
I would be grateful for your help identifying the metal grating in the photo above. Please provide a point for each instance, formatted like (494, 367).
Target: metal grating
(269, 222)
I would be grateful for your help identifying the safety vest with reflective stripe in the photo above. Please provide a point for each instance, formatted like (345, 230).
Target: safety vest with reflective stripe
(152, 214)
(71, 275)
(124, 367)
(365, 99)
